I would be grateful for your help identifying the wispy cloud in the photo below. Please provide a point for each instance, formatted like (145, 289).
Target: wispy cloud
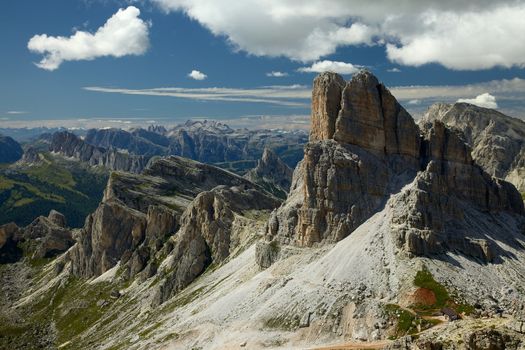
(16, 112)
(284, 95)
(509, 89)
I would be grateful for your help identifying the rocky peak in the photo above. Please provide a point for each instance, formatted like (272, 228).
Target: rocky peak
(57, 218)
(365, 147)
(326, 104)
(496, 139)
(272, 174)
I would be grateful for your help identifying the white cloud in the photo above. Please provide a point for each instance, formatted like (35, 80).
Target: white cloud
(283, 95)
(394, 70)
(509, 92)
(508, 89)
(123, 34)
(16, 112)
(330, 66)
(197, 75)
(484, 100)
(465, 41)
(276, 74)
(303, 31)
(459, 34)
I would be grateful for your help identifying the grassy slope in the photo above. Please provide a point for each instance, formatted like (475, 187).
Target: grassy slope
(67, 186)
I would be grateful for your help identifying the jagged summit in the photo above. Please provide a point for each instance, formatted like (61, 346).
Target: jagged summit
(272, 174)
(364, 147)
(496, 139)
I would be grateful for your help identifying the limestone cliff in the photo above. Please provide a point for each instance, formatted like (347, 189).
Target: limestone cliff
(366, 148)
(139, 213)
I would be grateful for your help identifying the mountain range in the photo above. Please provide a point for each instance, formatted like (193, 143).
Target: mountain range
(387, 234)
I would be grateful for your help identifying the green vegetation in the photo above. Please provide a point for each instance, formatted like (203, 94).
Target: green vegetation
(73, 307)
(70, 187)
(424, 279)
(407, 321)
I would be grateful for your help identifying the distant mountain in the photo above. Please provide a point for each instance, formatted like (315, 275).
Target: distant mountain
(30, 134)
(10, 150)
(497, 140)
(72, 146)
(138, 141)
(204, 141)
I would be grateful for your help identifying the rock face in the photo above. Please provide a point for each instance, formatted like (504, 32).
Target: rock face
(208, 235)
(367, 150)
(70, 145)
(272, 174)
(140, 212)
(49, 234)
(497, 140)
(10, 150)
(46, 237)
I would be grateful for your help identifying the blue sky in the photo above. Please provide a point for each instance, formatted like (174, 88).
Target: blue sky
(236, 46)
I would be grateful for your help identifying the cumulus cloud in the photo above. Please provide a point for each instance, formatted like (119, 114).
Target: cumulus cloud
(275, 74)
(197, 75)
(394, 70)
(484, 100)
(459, 34)
(330, 66)
(123, 34)
(465, 41)
(295, 29)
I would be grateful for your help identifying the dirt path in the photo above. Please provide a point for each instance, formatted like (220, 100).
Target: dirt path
(356, 345)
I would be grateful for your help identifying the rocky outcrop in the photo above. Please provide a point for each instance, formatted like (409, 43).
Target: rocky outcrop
(10, 150)
(497, 140)
(208, 235)
(49, 236)
(31, 156)
(272, 174)
(139, 213)
(374, 150)
(45, 237)
(434, 215)
(70, 145)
